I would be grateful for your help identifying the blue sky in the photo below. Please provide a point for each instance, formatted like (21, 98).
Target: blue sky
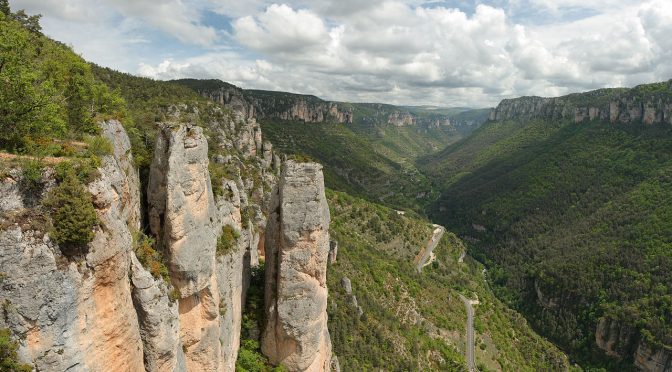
(447, 53)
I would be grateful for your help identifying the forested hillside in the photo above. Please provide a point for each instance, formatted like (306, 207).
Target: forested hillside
(47, 92)
(573, 219)
(390, 316)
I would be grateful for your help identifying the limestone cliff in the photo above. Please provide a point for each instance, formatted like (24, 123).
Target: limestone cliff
(103, 310)
(645, 104)
(74, 313)
(297, 248)
(620, 340)
(188, 218)
(265, 104)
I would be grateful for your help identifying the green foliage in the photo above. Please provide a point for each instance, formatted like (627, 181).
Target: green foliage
(150, 257)
(580, 212)
(46, 90)
(85, 170)
(31, 177)
(247, 215)
(72, 214)
(4, 8)
(227, 240)
(379, 259)
(371, 165)
(9, 359)
(174, 295)
(219, 173)
(98, 146)
(250, 357)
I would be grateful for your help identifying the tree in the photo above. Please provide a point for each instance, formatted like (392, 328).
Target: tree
(25, 104)
(4, 8)
(72, 215)
(9, 359)
(30, 23)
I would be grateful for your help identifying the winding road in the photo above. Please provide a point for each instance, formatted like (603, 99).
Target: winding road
(471, 360)
(427, 256)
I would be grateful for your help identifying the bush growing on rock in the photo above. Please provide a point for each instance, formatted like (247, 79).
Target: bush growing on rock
(227, 240)
(31, 180)
(72, 214)
(150, 258)
(9, 360)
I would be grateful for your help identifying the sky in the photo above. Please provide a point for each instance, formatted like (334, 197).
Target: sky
(410, 52)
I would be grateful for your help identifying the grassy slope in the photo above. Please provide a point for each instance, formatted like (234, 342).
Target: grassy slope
(582, 210)
(417, 321)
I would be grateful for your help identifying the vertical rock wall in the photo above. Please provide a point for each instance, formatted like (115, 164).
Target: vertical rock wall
(297, 247)
(187, 218)
(76, 313)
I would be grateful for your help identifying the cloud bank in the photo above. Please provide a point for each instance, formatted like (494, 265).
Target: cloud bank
(406, 52)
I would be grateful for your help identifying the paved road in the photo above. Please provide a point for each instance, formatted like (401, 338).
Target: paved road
(427, 255)
(471, 360)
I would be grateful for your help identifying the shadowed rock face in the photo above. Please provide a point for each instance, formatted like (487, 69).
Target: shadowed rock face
(297, 248)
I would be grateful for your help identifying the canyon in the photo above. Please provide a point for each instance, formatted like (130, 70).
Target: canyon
(105, 310)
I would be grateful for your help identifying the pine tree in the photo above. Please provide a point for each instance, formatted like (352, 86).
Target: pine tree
(4, 8)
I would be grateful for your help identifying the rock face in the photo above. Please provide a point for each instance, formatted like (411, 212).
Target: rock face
(285, 106)
(653, 359)
(647, 104)
(76, 314)
(333, 252)
(187, 218)
(621, 340)
(182, 207)
(158, 320)
(105, 311)
(400, 119)
(614, 338)
(297, 246)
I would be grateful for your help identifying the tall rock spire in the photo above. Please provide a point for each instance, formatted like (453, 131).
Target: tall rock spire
(297, 248)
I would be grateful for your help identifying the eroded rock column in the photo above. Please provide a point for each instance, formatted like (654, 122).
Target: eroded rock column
(183, 215)
(297, 248)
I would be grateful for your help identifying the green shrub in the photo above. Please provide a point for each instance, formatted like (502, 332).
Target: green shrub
(31, 180)
(246, 216)
(227, 240)
(86, 170)
(9, 359)
(98, 146)
(72, 214)
(174, 294)
(151, 259)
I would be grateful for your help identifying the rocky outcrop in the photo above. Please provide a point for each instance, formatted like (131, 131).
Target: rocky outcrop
(653, 359)
(333, 252)
(646, 104)
(400, 119)
(158, 320)
(187, 219)
(297, 245)
(314, 112)
(76, 313)
(347, 285)
(622, 340)
(263, 104)
(614, 338)
(182, 209)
